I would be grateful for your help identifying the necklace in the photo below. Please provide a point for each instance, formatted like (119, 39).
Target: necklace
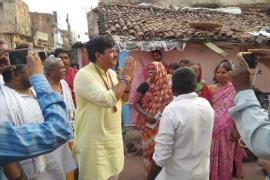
(105, 83)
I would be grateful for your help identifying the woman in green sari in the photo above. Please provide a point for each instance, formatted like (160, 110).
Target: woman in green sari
(202, 88)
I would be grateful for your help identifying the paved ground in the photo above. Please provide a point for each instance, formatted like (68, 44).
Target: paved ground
(134, 170)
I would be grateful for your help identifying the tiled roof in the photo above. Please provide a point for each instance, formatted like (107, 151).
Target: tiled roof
(152, 23)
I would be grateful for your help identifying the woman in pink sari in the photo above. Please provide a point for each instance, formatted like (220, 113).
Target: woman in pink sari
(226, 153)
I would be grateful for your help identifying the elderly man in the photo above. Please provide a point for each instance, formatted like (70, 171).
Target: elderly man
(19, 105)
(70, 72)
(54, 70)
(185, 132)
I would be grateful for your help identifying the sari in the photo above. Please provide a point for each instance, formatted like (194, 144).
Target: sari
(202, 90)
(154, 101)
(224, 153)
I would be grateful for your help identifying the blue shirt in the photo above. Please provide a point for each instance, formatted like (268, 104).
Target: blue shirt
(29, 140)
(252, 123)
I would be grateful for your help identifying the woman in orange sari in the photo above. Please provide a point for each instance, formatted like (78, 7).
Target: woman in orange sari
(151, 98)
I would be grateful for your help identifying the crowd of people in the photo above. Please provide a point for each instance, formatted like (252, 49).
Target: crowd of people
(155, 94)
(190, 129)
(19, 105)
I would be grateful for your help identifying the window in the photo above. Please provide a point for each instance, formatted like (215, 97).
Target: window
(48, 19)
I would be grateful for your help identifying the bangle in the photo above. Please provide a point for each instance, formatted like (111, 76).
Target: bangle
(125, 77)
(125, 81)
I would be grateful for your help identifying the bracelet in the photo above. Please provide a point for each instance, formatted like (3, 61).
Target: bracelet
(125, 77)
(125, 81)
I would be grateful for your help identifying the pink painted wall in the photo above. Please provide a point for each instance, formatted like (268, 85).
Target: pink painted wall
(196, 53)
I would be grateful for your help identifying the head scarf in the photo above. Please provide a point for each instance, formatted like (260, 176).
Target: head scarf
(159, 93)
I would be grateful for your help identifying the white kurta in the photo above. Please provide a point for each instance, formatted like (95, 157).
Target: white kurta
(183, 142)
(23, 109)
(68, 99)
(1, 80)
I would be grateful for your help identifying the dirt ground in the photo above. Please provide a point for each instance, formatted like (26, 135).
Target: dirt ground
(134, 170)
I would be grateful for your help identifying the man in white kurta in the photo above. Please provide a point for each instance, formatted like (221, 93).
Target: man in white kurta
(183, 143)
(54, 70)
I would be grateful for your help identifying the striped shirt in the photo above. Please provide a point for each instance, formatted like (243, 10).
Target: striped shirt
(29, 140)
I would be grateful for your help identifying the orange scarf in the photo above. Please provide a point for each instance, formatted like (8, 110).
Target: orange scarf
(159, 93)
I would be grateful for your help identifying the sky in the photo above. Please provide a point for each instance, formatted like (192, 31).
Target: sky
(76, 9)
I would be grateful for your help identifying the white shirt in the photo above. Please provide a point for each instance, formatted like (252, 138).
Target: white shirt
(252, 123)
(184, 139)
(1, 80)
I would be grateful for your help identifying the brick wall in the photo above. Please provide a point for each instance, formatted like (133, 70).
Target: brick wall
(43, 22)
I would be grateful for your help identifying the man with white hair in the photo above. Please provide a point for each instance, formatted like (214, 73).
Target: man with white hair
(54, 70)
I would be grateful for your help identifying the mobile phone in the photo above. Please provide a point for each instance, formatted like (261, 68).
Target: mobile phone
(157, 117)
(18, 57)
(250, 59)
(42, 55)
